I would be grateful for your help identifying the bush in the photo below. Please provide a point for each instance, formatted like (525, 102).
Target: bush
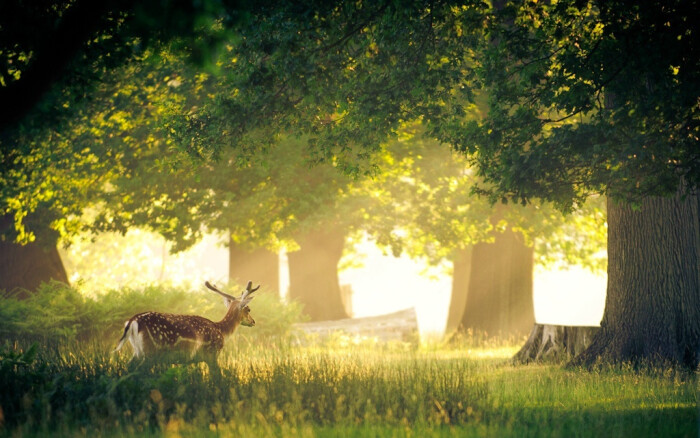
(56, 313)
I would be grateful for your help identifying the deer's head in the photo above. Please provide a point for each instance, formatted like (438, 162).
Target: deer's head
(240, 304)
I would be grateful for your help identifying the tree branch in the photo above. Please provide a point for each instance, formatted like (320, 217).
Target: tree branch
(354, 31)
(77, 26)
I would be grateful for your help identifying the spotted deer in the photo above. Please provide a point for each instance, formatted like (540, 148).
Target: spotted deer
(153, 332)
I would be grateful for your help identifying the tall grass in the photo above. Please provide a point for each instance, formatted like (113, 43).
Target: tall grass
(316, 391)
(67, 383)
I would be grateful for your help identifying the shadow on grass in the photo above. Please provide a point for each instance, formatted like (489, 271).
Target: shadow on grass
(560, 422)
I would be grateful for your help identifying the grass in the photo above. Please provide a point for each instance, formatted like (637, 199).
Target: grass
(337, 391)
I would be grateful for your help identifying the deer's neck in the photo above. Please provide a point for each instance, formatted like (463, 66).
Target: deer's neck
(231, 320)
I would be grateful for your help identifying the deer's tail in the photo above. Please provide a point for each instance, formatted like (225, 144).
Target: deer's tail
(130, 325)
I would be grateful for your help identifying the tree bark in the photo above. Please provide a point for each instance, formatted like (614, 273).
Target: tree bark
(313, 274)
(461, 271)
(25, 267)
(259, 265)
(499, 301)
(652, 307)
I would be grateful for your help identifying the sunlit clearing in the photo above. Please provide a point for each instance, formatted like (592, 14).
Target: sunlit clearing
(140, 257)
(381, 284)
(385, 284)
(572, 296)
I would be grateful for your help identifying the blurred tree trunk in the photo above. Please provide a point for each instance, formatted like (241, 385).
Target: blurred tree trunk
(652, 307)
(499, 301)
(313, 274)
(27, 266)
(258, 265)
(461, 271)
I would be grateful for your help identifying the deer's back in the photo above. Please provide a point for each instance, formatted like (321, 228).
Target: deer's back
(170, 330)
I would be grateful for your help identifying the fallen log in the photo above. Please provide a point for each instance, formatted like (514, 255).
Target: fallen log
(398, 326)
(550, 343)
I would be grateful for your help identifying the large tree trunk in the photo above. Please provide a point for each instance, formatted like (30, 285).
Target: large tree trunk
(259, 265)
(27, 266)
(499, 301)
(652, 307)
(313, 275)
(461, 271)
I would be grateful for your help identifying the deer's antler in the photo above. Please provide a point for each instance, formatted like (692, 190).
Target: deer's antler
(246, 293)
(245, 298)
(215, 289)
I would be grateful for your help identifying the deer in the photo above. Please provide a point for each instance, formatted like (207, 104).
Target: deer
(151, 333)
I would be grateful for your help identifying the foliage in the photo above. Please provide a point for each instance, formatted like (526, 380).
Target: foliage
(52, 52)
(266, 203)
(345, 74)
(52, 172)
(269, 82)
(117, 152)
(56, 313)
(319, 392)
(421, 202)
(62, 129)
(588, 97)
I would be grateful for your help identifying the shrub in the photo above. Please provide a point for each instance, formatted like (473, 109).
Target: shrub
(56, 313)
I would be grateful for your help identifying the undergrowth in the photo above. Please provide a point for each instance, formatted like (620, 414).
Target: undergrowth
(282, 390)
(58, 377)
(56, 313)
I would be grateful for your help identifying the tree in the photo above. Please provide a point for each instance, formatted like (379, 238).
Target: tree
(51, 48)
(275, 93)
(647, 315)
(313, 272)
(584, 98)
(52, 173)
(259, 264)
(54, 59)
(348, 93)
(500, 294)
(27, 266)
(136, 175)
(422, 205)
(600, 97)
(278, 201)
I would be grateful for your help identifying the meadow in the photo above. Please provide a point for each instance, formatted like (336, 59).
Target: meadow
(342, 387)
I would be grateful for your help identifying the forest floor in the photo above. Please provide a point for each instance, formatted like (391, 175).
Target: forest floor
(338, 389)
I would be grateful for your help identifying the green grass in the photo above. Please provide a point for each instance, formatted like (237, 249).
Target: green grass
(334, 391)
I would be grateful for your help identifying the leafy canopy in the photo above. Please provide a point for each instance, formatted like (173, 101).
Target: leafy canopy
(588, 97)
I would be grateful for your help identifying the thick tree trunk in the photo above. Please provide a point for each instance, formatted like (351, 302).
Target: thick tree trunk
(27, 266)
(461, 271)
(652, 307)
(554, 343)
(313, 275)
(259, 265)
(499, 301)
